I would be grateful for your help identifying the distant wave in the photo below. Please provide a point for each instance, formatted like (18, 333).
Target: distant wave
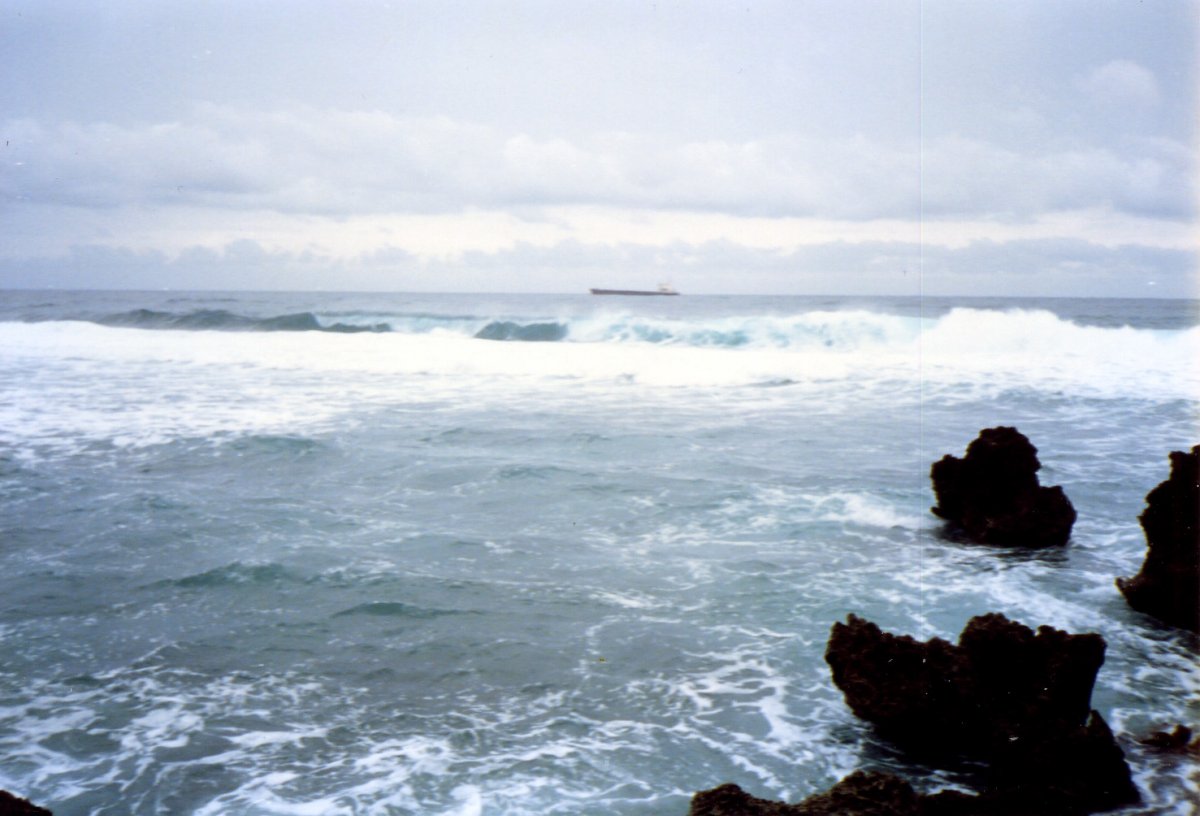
(394, 609)
(222, 320)
(235, 574)
(977, 333)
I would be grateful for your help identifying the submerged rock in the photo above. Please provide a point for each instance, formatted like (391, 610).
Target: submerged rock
(1168, 585)
(11, 805)
(1177, 741)
(1016, 700)
(992, 494)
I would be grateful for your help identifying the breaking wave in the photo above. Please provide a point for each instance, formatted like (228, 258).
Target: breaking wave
(222, 320)
(983, 336)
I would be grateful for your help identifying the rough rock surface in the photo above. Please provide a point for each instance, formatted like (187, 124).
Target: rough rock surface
(1168, 586)
(992, 494)
(11, 805)
(860, 794)
(1004, 695)
(1000, 680)
(867, 794)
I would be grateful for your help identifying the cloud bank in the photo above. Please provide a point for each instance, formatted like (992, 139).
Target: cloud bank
(332, 162)
(773, 147)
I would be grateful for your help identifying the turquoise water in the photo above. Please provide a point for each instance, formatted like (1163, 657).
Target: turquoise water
(389, 554)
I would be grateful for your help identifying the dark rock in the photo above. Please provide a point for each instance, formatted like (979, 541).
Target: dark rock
(863, 794)
(880, 794)
(11, 805)
(1000, 682)
(1168, 585)
(1178, 741)
(1076, 770)
(992, 494)
(1004, 695)
(860, 794)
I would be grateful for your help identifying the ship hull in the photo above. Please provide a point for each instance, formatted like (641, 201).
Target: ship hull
(635, 292)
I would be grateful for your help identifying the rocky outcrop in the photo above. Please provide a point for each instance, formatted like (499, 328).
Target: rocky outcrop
(992, 495)
(11, 805)
(1016, 700)
(998, 682)
(860, 794)
(866, 794)
(1168, 585)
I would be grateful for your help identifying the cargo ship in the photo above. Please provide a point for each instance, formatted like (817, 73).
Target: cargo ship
(663, 289)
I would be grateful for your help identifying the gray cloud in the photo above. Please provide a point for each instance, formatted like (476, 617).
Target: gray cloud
(347, 162)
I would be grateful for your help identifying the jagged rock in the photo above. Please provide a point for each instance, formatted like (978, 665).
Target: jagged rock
(11, 805)
(992, 494)
(1168, 585)
(866, 794)
(1000, 681)
(1017, 700)
(860, 794)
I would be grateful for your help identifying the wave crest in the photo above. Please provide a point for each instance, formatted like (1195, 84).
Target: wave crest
(529, 332)
(223, 320)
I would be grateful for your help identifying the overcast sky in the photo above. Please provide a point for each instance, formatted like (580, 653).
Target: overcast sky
(1046, 147)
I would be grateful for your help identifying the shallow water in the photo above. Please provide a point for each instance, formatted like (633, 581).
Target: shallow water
(589, 566)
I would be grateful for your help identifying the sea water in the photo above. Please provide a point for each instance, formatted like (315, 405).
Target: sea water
(451, 554)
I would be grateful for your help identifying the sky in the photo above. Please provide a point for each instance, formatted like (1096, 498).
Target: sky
(889, 147)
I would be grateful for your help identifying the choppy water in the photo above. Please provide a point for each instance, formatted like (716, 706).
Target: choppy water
(537, 555)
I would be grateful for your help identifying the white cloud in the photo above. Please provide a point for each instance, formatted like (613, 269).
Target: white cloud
(1122, 83)
(449, 236)
(1043, 267)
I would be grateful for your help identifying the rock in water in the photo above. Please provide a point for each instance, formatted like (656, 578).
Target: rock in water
(1000, 681)
(1168, 586)
(993, 495)
(1016, 700)
(860, 794)
(1177, 741)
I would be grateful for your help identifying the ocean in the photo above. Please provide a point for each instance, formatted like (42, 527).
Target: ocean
(323, 554)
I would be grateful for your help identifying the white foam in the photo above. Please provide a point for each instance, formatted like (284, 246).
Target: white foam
(168, 727)
(260, 797)
(257, 739)
(470, 801)
(68, 382)
(858, 508)
(627, 599)
(1037, 350)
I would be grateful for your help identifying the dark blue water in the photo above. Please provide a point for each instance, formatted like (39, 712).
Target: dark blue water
(389, 554)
